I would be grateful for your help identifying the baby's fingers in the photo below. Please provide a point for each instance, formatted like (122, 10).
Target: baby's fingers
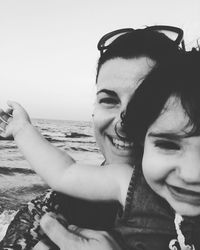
(14, 105)
(4, 120)
(2, 126)
(9, 111)
(4, 117)
(17, 110)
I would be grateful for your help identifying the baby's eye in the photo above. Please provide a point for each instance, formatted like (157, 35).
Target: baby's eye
(167, 145)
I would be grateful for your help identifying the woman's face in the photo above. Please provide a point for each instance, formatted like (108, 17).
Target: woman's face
(171, 161)
(117, 81)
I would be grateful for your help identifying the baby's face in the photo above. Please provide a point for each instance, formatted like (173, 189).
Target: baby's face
(171, 161)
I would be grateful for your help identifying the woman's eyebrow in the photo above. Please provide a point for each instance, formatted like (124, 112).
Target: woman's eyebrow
(168, 136)
(108, 92)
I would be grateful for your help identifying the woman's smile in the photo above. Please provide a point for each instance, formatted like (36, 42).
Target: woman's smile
(117, 81)
(121, 144)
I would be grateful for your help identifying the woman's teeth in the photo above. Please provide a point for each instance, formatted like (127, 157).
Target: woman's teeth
(122, 144)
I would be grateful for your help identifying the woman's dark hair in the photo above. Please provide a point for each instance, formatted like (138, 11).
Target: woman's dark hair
(180, 78)
(141, 42)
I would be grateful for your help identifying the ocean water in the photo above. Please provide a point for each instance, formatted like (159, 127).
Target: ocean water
(19, 184)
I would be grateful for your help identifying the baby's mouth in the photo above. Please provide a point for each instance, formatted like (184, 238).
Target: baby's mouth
(184, 195)
(121, 144)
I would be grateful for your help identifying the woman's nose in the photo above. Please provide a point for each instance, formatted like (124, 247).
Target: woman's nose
(119, 126)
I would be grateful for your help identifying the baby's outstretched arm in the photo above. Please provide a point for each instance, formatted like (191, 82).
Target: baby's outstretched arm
(36, 149)
(13, 120)
(59, 169)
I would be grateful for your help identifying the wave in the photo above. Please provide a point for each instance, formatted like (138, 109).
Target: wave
(5, 218)
(84, 149)
(3, 147)
(35, 188)
(50, 139)
(81, 142)
(13, 171)
(10, 138)
(76, 135)
(15, 198)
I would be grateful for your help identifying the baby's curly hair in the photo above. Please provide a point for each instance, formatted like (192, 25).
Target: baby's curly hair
(180, 78)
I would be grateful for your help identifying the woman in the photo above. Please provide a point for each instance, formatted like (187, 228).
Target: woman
(163, 207)
(122, 66)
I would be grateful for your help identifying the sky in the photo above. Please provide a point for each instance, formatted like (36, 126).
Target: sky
(48, 52)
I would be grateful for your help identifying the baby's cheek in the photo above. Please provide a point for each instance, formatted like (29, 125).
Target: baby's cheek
(147, 166)
(152, 168)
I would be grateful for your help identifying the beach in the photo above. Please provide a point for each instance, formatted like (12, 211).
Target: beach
(19, 183)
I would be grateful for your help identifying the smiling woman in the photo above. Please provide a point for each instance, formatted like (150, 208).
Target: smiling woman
(116, 83)
(122, 67)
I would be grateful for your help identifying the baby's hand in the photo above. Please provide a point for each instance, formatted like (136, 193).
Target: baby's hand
(14, 120)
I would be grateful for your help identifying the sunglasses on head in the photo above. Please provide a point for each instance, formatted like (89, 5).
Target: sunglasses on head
(174, 33)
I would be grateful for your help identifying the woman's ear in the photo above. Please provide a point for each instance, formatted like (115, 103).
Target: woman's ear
(141, 143)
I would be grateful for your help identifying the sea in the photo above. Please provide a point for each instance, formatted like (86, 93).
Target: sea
(19, 183)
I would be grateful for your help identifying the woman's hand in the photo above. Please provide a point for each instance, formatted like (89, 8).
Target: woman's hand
(74, 238)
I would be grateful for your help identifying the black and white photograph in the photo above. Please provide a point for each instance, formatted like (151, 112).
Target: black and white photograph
(99, 125)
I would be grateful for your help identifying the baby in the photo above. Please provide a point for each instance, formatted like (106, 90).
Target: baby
(160, 199)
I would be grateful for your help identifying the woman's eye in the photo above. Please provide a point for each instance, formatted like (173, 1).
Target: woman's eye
(108, 100)
(168, 145)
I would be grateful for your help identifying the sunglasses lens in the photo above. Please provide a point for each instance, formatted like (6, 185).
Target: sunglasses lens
(171, 34)
(111, 39)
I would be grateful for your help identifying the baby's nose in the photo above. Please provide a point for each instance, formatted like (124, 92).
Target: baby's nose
(190, 171)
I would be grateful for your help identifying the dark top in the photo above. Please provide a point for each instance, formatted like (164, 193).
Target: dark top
(147, 221)
(24, 230)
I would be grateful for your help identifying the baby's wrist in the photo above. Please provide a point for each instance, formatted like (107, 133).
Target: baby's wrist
(22, 129)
